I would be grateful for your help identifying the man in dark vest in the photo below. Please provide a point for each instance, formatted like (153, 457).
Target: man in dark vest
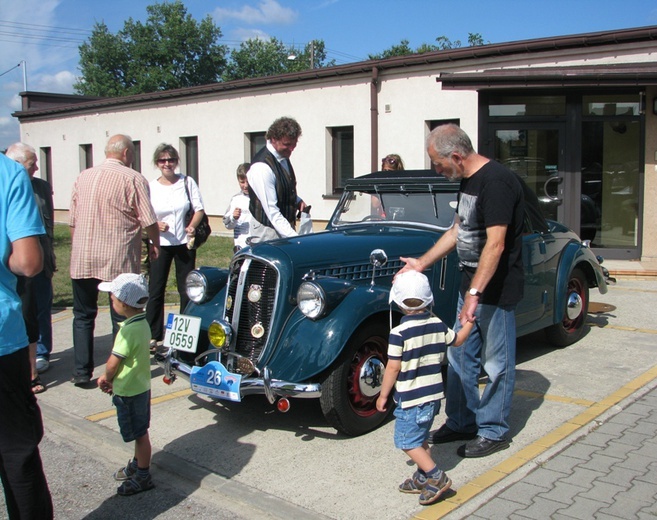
(272, 185)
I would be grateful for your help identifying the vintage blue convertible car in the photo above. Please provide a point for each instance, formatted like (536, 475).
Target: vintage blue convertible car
(309, 316)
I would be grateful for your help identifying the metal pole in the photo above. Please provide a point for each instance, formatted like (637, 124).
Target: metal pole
(24, 64)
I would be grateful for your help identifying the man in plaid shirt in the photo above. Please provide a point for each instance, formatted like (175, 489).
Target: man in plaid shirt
(110, 205)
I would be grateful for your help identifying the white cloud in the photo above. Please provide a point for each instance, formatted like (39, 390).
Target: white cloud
(60, 82)
(266, 12)
(249, 34)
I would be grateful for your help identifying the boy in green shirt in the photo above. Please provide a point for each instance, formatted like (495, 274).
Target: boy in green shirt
(128, 377)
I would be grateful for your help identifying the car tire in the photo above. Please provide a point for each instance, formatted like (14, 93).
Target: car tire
(571, 328)
(348, 405)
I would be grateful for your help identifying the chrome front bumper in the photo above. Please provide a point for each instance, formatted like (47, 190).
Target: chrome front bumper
(263, 385)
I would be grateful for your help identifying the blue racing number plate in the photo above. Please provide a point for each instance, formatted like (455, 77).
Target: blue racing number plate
(215, 380)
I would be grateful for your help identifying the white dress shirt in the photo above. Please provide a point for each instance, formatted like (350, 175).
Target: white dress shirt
(263, 183)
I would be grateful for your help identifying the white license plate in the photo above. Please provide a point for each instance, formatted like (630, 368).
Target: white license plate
(182, 332)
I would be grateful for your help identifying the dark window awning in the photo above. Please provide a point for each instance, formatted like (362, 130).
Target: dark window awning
(626, 75)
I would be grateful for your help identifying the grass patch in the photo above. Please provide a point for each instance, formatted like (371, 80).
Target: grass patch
(217, 252)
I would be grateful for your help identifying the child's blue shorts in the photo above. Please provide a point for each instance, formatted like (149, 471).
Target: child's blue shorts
(413, 424)
(134, 415)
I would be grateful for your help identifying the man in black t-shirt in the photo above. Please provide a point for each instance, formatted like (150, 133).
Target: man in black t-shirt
(487, 235)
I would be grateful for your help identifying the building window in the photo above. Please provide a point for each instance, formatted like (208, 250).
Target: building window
(342, 156)
(521, 105)
(439, 122)
(45, 164)
(86, 156)
(189, 156)
(256, 141)
(136, 162)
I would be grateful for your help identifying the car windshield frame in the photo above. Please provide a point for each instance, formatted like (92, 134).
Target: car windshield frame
(419, 197)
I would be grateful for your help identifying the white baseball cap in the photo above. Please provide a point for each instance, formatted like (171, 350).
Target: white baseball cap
(411, 284)
(130, 288)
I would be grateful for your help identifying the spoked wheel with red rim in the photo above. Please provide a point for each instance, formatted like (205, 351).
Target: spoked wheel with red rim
(573, 315)
(352, 386)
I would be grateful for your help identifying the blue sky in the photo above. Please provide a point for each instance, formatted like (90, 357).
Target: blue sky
(46, 33)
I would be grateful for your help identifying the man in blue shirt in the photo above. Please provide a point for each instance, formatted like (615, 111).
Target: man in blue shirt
(21, 427)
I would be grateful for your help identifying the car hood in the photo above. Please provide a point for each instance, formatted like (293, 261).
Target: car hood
(346, 246)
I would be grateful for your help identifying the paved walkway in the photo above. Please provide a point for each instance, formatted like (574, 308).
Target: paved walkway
(605, 469)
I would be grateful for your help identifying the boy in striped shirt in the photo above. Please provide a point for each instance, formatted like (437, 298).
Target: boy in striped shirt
(417, 347)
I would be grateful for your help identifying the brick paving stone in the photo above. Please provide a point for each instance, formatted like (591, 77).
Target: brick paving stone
(648, 511)
(632, 438)
(613, 429)
(624, 418)
(636, 463)
(617, 450)
(521, 493)
(621, 474)
(645, 428)
(582, 477)
(604, 492)
(641, 492)
(624, 507)
(639, 408)
(543, 477)
(564, 493)
(580, 451)
(562, 464)
(651, 475)
(598, 438)
(599, 462)
(647, 450)
(541, 509)
(581, 508)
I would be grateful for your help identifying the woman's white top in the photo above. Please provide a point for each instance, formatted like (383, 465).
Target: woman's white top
(171, 204)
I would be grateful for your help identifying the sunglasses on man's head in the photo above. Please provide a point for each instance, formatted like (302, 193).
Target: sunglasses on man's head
(389, 160)
(167, 160)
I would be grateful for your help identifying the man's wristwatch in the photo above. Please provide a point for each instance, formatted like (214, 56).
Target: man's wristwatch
(474, 292)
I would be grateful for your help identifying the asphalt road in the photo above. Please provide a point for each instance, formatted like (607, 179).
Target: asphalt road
(245, 460)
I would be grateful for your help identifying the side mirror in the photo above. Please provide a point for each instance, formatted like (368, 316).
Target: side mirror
(378, 258)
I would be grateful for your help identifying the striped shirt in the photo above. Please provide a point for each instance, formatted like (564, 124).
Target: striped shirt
(419, 342)
(110, 205)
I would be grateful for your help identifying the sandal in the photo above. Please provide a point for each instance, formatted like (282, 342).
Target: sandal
(412, 485)
(135, 485)
(434, 488)
(38, 386)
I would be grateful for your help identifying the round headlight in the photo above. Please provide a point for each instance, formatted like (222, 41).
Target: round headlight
(311, 300)
(196, 286)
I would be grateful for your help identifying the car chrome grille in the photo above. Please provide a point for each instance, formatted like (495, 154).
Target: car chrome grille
(361, 271)
(251, 320)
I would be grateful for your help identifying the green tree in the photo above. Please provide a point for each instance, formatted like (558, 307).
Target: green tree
(257, 58)
(442, 43)
(171, 50)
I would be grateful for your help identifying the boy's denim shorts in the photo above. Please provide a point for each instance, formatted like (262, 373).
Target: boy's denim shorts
(134, 415)
(413, 424)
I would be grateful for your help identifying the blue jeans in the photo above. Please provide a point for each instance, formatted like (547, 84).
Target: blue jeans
(413, 424)
(43, 294)
(491, 345)
(133, 414)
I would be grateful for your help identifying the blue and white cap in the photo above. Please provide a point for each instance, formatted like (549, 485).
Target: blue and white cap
(411, 284)
(130, 288)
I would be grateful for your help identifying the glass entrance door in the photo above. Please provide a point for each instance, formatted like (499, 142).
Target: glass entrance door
(536, 154)
(582, 154)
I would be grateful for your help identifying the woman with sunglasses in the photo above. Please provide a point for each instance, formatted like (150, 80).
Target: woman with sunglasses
(171, 202)
(392, 161)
